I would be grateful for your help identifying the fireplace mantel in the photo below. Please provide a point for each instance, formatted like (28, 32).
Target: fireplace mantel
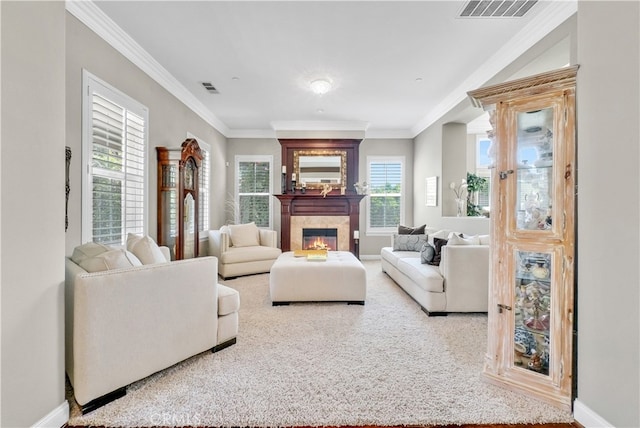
(307, 204)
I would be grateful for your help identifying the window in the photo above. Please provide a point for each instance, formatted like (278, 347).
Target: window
(204, 187)
(385, 204)
(483, 169)
(114, 152)
(253, 190)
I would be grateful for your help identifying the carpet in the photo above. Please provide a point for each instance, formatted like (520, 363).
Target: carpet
(330, 364)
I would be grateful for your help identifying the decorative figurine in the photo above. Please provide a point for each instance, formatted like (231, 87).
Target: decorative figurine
(326, 189)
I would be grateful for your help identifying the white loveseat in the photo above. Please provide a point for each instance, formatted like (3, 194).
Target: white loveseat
(126, 323)
(459, 284)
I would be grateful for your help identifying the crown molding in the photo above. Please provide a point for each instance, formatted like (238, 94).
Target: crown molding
(94, 18)
(391, 134)
(549, 18)
(319, 125)
(251, 133)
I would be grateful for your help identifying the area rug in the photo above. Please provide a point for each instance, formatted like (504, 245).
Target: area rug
(330, 364)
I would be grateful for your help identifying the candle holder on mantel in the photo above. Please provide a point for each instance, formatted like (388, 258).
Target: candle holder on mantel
(293, 186)
(284, 183)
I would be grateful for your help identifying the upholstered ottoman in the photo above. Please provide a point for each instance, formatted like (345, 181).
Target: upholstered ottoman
(340, 278)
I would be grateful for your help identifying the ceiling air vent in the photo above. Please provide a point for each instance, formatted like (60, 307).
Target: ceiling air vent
(496, 8)
(209, 87)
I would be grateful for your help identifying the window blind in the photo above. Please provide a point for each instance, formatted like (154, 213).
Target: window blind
(254, 192)
(115, 143)
(385, 199)
(204, 186)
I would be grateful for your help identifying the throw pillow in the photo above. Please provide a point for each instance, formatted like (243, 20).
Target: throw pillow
(145, 249)
(408, 242)
(85, 251)
(427, 253)
(109, 260)
(406, 230)
(442, 234)
(438, 243)
(244, 235)
(458, 240)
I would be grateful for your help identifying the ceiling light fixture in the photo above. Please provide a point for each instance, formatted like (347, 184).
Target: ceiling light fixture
(320, 86)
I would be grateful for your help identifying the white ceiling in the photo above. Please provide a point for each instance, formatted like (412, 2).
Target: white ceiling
(396, 67)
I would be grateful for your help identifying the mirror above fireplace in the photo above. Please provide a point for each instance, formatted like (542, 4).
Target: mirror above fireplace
(316, 168)
(320, 162)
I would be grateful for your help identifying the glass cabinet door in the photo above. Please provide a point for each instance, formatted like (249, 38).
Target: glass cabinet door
(537, 152)
(168, 206)
(532, 309)
(534, 152)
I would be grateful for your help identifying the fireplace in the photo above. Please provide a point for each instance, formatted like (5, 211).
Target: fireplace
(339, 209)
(319, 239)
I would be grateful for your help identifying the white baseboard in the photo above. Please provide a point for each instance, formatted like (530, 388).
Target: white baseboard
(57, 418)
(587, 417)
(370, 257)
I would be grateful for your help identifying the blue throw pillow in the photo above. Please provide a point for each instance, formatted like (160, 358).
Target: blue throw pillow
(427, 253)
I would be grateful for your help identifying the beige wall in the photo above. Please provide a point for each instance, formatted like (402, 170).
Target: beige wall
(454, 163)
(32, 211)
(169, 120)
(429, 161)
(609, 210)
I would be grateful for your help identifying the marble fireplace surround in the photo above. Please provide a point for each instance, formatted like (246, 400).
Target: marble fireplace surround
(341, 223)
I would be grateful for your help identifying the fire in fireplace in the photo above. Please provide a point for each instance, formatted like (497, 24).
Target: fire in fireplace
(319, 239)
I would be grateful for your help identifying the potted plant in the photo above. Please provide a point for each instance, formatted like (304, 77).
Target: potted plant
(474, 185)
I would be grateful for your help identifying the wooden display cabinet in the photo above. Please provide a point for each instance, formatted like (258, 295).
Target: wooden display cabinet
(178, 198)
(531, 296)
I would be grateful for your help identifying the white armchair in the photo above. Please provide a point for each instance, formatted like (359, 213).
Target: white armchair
(243, 249)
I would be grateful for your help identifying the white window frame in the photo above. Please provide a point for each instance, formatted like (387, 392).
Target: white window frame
(386, 231)
(483, 170)
(236, 194)
(90, 85)
(204, 185)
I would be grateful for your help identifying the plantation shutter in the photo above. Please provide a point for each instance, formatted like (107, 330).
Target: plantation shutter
(116, 173)
(485, 194)
(385, 200)
(254, 192)
(204, 187)
(107, 166)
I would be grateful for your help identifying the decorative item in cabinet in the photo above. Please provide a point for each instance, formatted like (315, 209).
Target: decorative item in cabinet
(531, 308)
(178, 199)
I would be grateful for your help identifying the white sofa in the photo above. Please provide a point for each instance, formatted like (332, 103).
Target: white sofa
(127, 323)
(459, 284)
(243, 249)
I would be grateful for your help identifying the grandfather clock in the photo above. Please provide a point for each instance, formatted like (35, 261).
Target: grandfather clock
(178, 198)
